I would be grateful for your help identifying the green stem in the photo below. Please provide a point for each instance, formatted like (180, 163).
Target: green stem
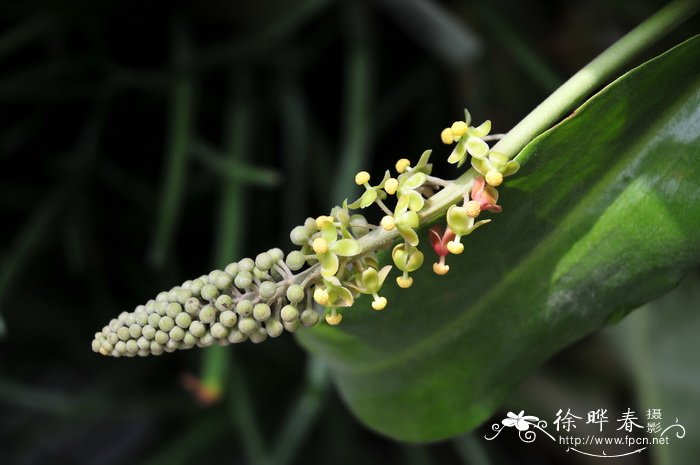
(593, 75)
(563, 100)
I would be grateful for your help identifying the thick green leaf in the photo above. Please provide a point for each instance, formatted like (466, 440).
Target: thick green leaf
(603, 217)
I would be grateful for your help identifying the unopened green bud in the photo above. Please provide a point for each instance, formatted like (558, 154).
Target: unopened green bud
(232, 269)
(291, 326)
(264, 261)
(276, 254)
(123, 333)
(267, 289)
(236, 336)
(156, 348)
(149, 332)
(244, 279)
(299, 235)
(258, 336)
(247, 264)
(120, 347)
(143, 343)
(115, 324)
(183, 320)
(161, 297)
(196, 286)
(274, 328)
(228, 318)
(289, 313)
(207, 314)
(171, 345)
(135, 331)
(224, 302)
(210, 292)
(223, 280)
(161, 337)
(244, 308)
(197, 329)
(192, 306)
(166, 323)
(219, 331)
(310, 317)
(247, 325)
(295, 260)
(131, 346)
(172, 294)
(189, 340)
(295, 293)
(177, 334)
(173, 309)
(161, 307)
(153, 319)
(261, 312)
(310, 226)
(206, 340)
(182, 295)
(142, 318)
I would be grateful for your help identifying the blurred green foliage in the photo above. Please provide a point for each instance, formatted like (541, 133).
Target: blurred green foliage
(125, 132)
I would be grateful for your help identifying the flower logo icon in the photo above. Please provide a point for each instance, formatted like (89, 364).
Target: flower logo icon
(520, 421)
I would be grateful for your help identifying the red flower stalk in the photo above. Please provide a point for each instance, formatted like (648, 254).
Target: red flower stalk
(439, 237)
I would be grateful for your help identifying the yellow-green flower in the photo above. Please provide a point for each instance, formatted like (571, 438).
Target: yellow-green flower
(462, 223)
(371, 192)
(495, 167)
(407, 259)
(333, 294)
(470, 140)
(406, 221)
(369, 282)
(328, 247)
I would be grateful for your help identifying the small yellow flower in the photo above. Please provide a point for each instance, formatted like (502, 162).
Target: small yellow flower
(455, 247)
(459, 128)
(441, 269)
(387, 223)
(391, 185)
(404, 282)
(361, 178)
(494, 178)
(379, 303)
(473, 208)
(320, 245)
(402, 164)
(321, 296)
(323, 219)
(447, 136)
(334, 318)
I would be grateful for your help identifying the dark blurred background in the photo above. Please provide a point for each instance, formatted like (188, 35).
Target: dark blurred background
(145, 143)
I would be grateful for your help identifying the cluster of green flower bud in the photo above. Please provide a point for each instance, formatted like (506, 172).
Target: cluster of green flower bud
(261, 298)
(248, 300)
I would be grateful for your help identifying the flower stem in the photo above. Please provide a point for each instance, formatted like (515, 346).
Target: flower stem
(593, 75)
(563, 100)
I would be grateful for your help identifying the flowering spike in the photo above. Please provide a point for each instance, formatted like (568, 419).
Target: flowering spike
(256, 299)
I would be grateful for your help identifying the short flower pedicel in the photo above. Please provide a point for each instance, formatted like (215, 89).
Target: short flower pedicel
(336, 261)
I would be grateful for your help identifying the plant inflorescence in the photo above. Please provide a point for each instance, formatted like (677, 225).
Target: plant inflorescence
(335, 262)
